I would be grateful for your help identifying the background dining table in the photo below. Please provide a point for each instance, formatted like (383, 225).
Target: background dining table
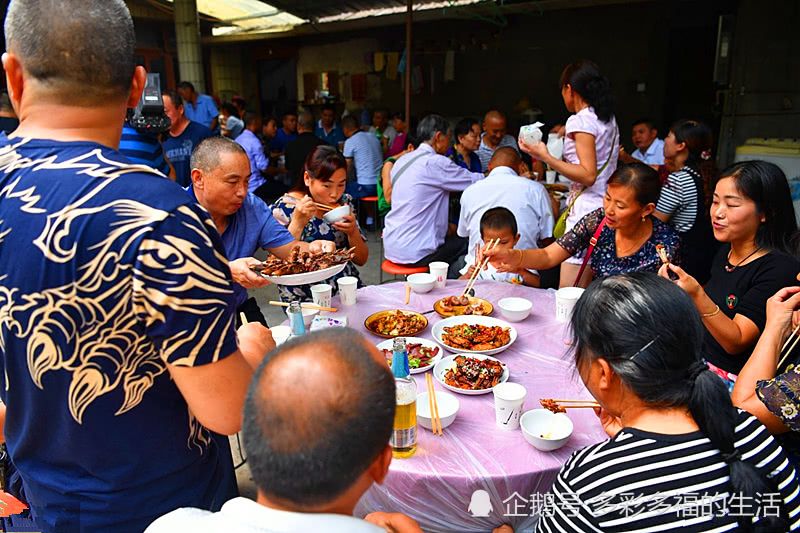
(436, 485)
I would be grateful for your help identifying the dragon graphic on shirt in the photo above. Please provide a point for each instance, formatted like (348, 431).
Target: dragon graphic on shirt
(126, 284)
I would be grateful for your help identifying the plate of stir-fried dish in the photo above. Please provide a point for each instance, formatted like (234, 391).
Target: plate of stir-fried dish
(470, 374)
(474, 334)
(396, 323)
(303, 268)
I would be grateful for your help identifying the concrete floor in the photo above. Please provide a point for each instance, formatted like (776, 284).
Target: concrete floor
(370, 273)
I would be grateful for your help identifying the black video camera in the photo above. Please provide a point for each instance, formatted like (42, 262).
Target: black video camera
(148, 116)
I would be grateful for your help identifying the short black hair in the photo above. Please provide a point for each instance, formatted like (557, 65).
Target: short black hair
(499, 218)
(290, 113)
(643, 179)
(650, 123)
(186, 85)
(175, 98)
(206, 154)
(350, 122)
(306, 446)
(328, 107)
(81, 49)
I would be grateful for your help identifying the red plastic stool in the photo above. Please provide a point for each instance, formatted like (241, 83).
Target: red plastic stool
(399, 270)
(371, 200)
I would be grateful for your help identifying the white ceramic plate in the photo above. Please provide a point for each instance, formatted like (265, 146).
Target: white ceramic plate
(448, 362)
(306, 278)
(438, 329)
(387, 345)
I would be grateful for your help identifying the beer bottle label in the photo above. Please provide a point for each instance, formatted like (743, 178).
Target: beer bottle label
(404, 438)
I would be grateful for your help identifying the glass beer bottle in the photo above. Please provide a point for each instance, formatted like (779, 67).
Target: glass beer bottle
(404, 434)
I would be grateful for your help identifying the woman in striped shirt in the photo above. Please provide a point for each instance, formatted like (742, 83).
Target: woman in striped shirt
(686, 195)
(680, 455)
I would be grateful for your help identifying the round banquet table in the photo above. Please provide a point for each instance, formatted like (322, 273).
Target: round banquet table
(435, 486)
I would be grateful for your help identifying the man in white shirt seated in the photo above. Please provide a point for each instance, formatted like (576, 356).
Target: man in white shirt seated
(503, 187)
(649, 148)
(311, 456)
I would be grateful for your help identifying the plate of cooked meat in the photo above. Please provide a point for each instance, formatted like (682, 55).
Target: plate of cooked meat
(303, 268)
(474, 334)
(470, 374)
(395, 323)
(462, 305)
(422, 353)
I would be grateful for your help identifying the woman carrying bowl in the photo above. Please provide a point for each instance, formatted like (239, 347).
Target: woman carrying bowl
(591, 148)
(752, 215)
(679, 454)
(625, 229)
(323, 182)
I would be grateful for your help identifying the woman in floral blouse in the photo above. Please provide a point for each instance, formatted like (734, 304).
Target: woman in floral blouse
(767, 389)
(323, 182)
(626, 243)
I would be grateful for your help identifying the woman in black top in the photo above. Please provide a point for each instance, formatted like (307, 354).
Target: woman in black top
(680, 455)
(752, 214)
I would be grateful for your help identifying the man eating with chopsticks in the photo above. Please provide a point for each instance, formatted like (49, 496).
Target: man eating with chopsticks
(220, 174)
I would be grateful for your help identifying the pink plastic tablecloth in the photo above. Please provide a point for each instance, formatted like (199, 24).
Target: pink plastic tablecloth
(436, 485)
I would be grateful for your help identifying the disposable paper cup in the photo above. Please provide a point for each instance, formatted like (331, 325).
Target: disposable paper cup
(566, 298)
(550, 176)
(347, 290)
(509, 399)
(321, 294)
(439, 270)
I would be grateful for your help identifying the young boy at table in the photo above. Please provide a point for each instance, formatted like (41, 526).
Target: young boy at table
(499, 224)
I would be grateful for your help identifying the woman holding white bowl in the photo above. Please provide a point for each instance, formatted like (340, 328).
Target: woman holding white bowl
(323, 182)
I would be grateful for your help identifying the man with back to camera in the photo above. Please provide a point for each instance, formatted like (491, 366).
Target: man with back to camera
(649, 148)
(311, 468)
(182, 137)
(220, 174)
(199, 107)
(416, 231)
(117, 336)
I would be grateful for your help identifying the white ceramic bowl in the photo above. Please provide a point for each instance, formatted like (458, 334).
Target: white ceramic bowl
(422, 282)
(545, 430)
(335, 215)
(448, 409)
(308, 316)
(515, 309)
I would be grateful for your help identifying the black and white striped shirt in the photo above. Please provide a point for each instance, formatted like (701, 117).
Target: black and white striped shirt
(646, 482)
(679, 199)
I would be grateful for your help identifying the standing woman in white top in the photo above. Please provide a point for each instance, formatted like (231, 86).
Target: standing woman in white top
(591, 147)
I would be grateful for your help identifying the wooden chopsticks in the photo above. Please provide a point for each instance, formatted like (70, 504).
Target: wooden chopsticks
(793, 339)
(323, 207)
(492, 244)
(306, 305)
(436, 422)
(547, 403)
(243, 318)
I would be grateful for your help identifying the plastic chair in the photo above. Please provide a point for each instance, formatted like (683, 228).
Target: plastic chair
(399, 270)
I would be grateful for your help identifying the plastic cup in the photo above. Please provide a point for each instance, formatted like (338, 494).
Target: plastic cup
(550, 176)
(321, 294)
(347, 290)
(509, 401)
(566, 298)
(439, 271)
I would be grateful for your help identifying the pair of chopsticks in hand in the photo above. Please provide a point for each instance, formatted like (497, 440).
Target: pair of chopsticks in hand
(321, 207)
(436, 422)
(480, 265)
(793, 339)
(306, 305)
(570, 404)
